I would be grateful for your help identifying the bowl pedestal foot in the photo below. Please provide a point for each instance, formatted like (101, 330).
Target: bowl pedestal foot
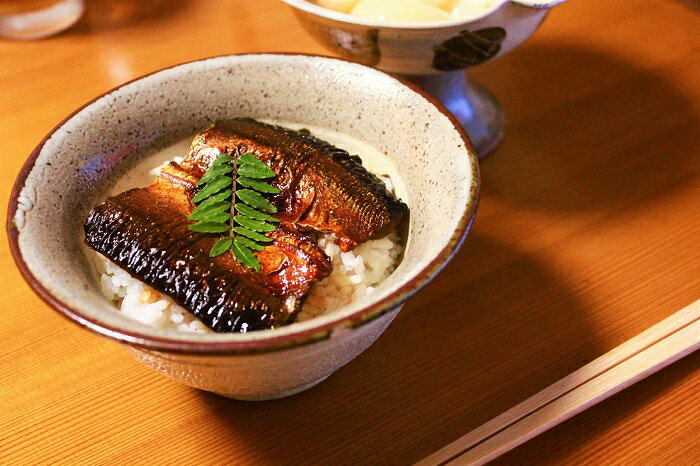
(475, 108)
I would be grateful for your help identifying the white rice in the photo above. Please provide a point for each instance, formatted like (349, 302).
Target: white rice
(140, 302)
(355, 274)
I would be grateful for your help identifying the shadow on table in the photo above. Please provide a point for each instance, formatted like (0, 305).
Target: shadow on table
(495, 327)
(692, 4)
(574, 119)
(102, 15)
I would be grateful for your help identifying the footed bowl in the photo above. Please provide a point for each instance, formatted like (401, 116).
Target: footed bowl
(79, 160)
(434, 54)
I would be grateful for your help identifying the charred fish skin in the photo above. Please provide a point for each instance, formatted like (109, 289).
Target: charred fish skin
(145, 231)
(171, 261)
(324, 188)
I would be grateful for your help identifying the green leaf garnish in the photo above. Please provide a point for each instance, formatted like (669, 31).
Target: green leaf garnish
(260, 186)
(255, 200)
(221, 246)
(202, 212)
(255, 236)
(216, 204)
(255, 225)
(211, 188)
(252, 213)
(245, 256)
(209, 227)
(223, 217)
(221, 159)
(214, 172)
(249, 243)
(250, 159)
(253, 171)
(224, 195)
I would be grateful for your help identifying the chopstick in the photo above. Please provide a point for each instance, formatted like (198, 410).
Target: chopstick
(652, 350)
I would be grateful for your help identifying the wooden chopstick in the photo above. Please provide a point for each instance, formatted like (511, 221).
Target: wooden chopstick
(637, 358)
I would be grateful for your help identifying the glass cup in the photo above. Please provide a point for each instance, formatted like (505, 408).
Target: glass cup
(35, 19)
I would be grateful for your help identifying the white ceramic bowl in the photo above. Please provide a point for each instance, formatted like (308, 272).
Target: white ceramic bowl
(420, 48)
(78, 161)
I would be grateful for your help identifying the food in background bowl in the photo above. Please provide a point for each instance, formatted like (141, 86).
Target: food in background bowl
(237, 234)
(421, 10)
(409, 10)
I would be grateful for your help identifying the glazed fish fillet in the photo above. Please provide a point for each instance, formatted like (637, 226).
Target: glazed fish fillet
(323, 187)
(145, 231)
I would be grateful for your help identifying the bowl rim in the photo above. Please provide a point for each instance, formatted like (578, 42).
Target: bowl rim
(358, 318)
(317, 10)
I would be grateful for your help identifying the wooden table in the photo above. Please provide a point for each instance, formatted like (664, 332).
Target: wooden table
(587, 234)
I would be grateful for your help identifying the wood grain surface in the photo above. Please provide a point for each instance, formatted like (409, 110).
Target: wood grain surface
(672, 339)
(588, 233)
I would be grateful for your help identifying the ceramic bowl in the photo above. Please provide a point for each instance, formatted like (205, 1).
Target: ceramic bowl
(434, 54)
(419, 48)
(81, 158)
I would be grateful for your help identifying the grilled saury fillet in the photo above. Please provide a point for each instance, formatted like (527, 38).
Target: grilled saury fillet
(145, 231)
(322, 187)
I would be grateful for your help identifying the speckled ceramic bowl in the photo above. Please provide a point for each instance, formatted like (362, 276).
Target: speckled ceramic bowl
(434, 54)
(77, 162)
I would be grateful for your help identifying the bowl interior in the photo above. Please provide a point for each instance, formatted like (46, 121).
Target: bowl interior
(424, 48)
(79, 161)
(314, 9)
